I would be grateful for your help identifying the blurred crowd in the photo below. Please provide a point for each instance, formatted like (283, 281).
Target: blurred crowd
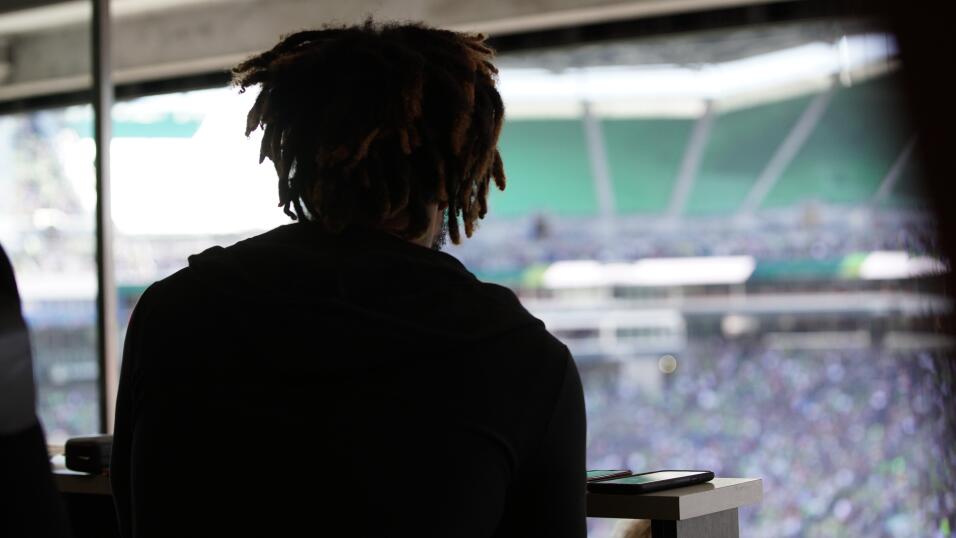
(784, 236)
(848, 443)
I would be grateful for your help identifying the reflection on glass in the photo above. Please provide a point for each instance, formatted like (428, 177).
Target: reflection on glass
(47, 200)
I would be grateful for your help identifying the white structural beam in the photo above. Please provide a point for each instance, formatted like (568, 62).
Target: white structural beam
(597, 155)
(690, 163)
(893, 175)
(787, 150)
(184, 37)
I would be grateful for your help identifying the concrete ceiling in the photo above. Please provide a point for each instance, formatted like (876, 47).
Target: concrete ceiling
(38, 15)
(694, 49)
(19, 5)
(44, 45)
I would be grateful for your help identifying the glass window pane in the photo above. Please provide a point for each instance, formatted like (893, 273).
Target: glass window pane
(794, 339)
(753, 342)
(185, 178)
(47, 202)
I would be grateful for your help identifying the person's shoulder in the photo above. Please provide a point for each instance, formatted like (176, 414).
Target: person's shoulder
(169, 286)
(501, 295)
(160, 295)
(528, 332)
(185, 282)
(505, 304)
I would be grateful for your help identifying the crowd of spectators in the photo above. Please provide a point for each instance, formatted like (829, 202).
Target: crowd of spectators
(848, 442)
(783, 236)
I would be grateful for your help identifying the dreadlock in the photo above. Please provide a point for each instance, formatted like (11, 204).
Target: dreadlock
(372, 122)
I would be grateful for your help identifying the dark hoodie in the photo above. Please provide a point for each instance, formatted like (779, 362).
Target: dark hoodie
(303, 384)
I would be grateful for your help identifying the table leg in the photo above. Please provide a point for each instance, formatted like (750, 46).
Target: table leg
(717, 525)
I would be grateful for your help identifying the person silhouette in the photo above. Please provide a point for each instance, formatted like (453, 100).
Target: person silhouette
(341, 374)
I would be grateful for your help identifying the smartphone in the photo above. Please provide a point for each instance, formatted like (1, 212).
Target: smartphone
(652, 481)
(594, 476)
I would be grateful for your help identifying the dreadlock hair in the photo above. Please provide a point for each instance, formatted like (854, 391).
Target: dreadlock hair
(369, 123)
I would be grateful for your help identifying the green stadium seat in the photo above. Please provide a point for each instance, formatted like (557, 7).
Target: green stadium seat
(546, 162)
(852, 148)
(644, 156)
(167, 126)
(909, 192)
(741, 144)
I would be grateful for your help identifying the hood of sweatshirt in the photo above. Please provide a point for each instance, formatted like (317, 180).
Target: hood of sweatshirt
(390, 288)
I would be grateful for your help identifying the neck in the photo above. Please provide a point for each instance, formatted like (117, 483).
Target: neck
(426, 239)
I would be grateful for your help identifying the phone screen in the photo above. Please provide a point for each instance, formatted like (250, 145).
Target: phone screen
(606, 474)
(655, 477)
(650, 482)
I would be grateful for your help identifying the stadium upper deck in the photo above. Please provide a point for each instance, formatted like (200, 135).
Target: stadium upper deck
(644, 158)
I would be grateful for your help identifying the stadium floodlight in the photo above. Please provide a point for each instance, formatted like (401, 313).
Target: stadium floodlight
(651, 272)
(894, 265)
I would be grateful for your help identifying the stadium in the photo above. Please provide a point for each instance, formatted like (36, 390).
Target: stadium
(725, 228)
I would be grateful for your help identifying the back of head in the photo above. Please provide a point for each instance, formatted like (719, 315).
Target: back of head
(368, 125)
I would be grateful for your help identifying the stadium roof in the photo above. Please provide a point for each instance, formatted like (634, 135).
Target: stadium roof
(683, 90)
